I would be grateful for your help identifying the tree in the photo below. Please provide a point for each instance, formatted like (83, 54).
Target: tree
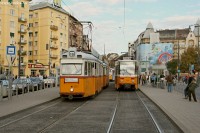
(172, 66)
(189, 57)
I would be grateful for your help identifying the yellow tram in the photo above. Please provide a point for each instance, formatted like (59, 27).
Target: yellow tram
(82, 74)
(126, 74)
(111, 74)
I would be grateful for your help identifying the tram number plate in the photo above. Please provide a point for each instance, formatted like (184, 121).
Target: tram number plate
(71, 79)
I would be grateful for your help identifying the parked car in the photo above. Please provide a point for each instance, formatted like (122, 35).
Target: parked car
(4, 86)
(22, 83)
(37, 82)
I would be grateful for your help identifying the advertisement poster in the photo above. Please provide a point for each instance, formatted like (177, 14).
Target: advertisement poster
(156, 54)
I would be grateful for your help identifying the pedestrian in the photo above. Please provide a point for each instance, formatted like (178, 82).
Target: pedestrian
(143, 79)
(169, 79)
(190, 78)
(191, 91)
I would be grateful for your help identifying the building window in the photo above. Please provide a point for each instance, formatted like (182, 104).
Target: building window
(12, 24)
(30, 61)
(36, 15)
(36, 24)
(22, 4)
(12, 35)
(61, 35)
(60, 44)
(10, 1)
(36, 43)
(12, 12)
(35, 52)
(36, 34)
(190, 35)
(31, 16)
(30, 24)
(30, 43)
(30, 53)
(47, 46)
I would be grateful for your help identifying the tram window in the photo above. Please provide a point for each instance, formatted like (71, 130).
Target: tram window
(96, 64)
(85, 70)
(89, 68)
(71, 69)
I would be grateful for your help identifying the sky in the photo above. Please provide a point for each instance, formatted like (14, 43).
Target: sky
(118, 22)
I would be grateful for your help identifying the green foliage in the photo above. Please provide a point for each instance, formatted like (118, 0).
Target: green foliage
(190, 56)
(172, 66)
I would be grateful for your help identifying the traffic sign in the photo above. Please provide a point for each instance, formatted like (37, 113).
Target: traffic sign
(10, 50)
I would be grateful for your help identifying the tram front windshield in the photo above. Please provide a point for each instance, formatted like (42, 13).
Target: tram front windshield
(127, 68)
(71, 69)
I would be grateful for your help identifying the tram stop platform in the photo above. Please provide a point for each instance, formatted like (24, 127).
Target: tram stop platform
(27, 100)
(184, 113)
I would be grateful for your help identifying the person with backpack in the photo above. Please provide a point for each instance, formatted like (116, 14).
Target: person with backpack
(190, 78)
(191, 89)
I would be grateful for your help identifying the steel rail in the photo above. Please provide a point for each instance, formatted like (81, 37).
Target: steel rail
(65, 116)
(152, 117)
(30, 114)
(114, 114)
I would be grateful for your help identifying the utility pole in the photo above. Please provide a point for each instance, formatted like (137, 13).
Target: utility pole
(178, 60)
(19, 52)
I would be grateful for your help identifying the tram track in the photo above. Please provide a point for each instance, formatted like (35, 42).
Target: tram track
(45, 117)
(111, 111)
(159, 130)
(134, 112)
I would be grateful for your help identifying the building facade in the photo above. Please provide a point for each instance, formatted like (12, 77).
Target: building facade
(46, 31)
(180, 38)
(14, 31)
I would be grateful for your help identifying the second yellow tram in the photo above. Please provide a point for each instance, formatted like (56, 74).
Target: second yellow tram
(126, 74)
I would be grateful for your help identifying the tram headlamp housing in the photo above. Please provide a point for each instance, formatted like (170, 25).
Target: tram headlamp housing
(74, 80)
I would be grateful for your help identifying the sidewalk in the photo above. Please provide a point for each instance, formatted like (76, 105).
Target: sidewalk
(24, 101)
(184, 113)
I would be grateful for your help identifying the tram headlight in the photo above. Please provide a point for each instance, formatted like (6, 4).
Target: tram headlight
(67, 80)
(72, 89)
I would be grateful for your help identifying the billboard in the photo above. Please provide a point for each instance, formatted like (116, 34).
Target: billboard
(156, 54)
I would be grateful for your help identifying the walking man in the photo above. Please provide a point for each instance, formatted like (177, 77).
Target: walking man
(169, 79)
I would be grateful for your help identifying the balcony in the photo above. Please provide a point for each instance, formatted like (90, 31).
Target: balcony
(23, 63)
(12, 41)
(23, 53)
(53, 27)
(21, 19)
(54, 56)
(54, 37)
(53, 47)
(23, 42)
(23, 31)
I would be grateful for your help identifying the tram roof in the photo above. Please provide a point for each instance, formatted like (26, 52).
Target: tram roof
(73, 54)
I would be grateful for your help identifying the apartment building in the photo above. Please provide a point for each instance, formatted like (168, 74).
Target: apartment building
(52, 30)
(13, 31)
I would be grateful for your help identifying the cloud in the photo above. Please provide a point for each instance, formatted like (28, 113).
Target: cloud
(84, 9)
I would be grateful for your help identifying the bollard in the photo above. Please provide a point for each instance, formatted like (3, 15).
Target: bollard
(1, 93)
(28, 88)
(23, 89)
(16, 90)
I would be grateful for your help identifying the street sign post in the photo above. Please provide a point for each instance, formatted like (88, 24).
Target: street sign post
(10, 52)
